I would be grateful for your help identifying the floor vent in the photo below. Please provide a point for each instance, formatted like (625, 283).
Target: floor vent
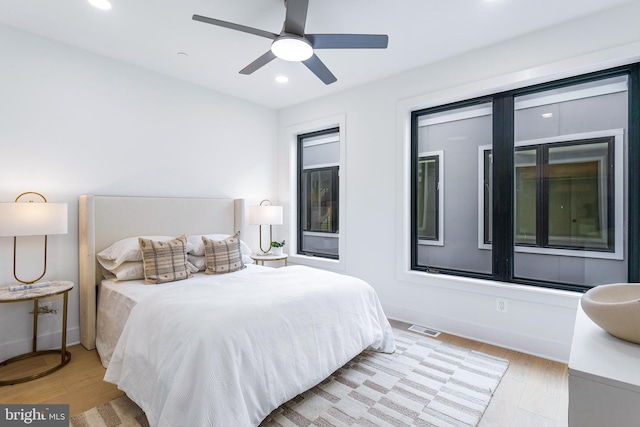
(425, 331)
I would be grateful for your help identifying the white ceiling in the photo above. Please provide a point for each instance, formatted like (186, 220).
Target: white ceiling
(150, 33)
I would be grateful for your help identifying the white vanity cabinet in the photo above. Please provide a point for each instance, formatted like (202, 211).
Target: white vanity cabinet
(604, 378)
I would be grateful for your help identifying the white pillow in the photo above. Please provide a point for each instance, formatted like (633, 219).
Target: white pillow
(127, 250)
(128, 270)
(134, 270)
(197, 261)
(198, 246)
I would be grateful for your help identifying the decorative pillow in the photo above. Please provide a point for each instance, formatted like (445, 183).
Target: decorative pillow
(223, 256)
(198, 245)
(126, 250)
(199, 262)
(164, 261)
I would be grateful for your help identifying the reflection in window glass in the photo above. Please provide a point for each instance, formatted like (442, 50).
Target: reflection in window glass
(569, 193)
(526, 197)
(320, 192)
(445, 188)
(428, 171)
(563, 195)
(487, 189)
(579, 204)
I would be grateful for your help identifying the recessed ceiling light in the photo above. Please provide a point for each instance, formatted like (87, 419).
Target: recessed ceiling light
(547, 115)
(101, 4)
(282, 79)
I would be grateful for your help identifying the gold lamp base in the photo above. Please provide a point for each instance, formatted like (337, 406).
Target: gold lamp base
(44, 269)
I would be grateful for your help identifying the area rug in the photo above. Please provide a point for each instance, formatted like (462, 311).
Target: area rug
(424, 383)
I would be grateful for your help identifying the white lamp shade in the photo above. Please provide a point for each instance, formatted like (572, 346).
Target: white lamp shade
(265, 215)
(33, 219)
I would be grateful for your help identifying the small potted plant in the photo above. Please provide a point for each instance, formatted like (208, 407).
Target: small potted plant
(276, 247)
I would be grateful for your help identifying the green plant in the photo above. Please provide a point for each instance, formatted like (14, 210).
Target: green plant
(277, 244)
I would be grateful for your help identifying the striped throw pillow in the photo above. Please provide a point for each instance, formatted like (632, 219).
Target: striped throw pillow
(223, 256)
(164, 261)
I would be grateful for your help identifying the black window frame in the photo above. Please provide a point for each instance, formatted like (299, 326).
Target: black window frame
(502, 196)
(304, 205)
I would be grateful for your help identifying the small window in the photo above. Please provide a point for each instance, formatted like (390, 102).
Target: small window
(318, 193)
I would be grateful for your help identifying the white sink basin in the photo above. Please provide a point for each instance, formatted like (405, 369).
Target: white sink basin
(615, 308)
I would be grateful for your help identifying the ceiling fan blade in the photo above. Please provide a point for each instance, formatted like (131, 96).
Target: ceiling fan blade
(258, 63)
(236, 27)
(318, 68)
(348, 41)
(296, 17)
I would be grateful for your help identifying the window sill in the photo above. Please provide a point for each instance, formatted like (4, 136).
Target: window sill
(617, 255)
(318, 262)
(485, 287)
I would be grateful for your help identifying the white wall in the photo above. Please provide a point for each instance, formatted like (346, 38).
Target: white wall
(76, 123)
(538, 321)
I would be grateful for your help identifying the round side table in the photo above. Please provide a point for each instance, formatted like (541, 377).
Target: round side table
(261, 258)
(58, 287)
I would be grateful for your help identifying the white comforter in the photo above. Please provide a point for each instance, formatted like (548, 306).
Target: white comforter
(227, 350)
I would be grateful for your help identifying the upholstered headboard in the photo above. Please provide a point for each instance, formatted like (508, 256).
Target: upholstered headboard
(104, 220)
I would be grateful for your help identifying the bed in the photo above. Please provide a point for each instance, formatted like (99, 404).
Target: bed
(216, 349)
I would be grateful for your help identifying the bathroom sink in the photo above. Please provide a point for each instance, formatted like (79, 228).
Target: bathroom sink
(615, 308)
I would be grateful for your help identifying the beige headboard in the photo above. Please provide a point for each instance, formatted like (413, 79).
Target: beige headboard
(104, 220)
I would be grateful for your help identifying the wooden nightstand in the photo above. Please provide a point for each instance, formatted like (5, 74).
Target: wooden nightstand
(34, 294)
(261, 258)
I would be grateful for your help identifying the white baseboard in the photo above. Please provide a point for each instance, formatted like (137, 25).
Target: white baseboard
(50, 341)
(503, 337)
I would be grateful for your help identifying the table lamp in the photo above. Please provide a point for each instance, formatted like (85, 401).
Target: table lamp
(29, 218)
(265, 214)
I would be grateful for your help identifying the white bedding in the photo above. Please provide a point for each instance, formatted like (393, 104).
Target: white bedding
(115, 301)
(226, 350)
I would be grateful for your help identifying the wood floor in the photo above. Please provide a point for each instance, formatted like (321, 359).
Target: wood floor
(78, 384)
(533, 392)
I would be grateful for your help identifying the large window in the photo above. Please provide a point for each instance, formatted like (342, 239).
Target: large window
(536, 181)
(318, 193)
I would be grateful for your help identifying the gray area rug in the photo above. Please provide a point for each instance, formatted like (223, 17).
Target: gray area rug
(424, 383)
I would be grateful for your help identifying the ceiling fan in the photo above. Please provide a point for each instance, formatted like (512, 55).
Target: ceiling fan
(292, 44)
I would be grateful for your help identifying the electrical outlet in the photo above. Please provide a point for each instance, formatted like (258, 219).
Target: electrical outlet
(501, 305)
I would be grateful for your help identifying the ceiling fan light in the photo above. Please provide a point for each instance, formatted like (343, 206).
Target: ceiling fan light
(292, 48)
(101, 4)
